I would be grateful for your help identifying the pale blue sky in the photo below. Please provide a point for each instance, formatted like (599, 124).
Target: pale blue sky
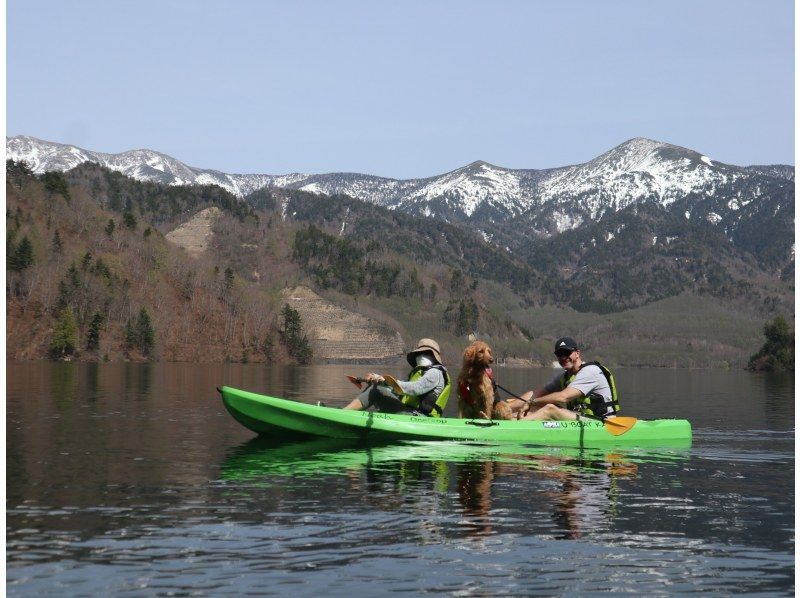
(402, 89)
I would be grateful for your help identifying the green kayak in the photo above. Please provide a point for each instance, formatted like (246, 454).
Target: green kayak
(278, 417)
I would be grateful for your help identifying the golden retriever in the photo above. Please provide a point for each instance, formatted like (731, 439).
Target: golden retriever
(475, 388)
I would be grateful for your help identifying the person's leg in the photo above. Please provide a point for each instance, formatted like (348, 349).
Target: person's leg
(385, 401)
(551, 412)
(518, 405)
(355, 404)
(362, 401)
(379, 397)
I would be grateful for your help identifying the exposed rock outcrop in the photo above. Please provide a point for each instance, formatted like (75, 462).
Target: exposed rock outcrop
(195, 235)
(337, 334)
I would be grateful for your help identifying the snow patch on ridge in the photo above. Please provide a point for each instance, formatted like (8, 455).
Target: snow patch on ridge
(565, 221)
(311, 188)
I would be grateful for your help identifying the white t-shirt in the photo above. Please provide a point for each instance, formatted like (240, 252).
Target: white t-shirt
(589, 380)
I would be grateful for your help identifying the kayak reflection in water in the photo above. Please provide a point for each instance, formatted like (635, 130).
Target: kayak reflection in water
(588, 498)
(580, 495)
(424, 393)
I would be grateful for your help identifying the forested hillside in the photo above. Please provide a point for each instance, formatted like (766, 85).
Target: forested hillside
(89, 267)
(627, 259)
(91, 276)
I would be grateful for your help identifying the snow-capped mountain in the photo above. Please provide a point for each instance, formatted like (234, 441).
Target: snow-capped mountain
(548, 201)
(144, 165)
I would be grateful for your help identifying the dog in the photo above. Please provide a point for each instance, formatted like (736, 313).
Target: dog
(475, 388)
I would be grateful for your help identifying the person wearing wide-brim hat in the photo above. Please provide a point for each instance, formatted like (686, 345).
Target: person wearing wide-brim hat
(424, 393)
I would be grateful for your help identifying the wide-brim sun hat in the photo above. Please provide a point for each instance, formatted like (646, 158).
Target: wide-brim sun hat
(425, 345)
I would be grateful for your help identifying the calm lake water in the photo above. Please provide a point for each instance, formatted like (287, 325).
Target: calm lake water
(133, 480)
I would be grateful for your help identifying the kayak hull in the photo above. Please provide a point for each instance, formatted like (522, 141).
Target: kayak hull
(272, 416)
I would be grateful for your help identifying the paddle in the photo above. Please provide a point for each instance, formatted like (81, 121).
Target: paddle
(357, 381)
(616, 425)
(393, 384)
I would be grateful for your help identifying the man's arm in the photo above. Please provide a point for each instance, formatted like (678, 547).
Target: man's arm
(561, 398)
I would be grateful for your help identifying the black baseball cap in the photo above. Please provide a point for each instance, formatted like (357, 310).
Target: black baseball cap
(565, 343)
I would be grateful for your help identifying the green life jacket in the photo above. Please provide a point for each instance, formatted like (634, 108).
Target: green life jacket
(594, 403)
(430, 403)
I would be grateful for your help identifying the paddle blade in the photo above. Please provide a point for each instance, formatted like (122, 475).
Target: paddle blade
(392, 382)
(619, 425)
(356, 381)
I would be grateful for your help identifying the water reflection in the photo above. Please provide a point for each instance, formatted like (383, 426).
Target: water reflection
(138, 378)
(92, 381)
(587, 498)
(63, 378)
(475, 495)
(576, 489)
(133, 478)
(779, 395)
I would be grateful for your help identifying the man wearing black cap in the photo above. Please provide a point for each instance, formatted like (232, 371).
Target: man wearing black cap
(425, 392)
(582, 389)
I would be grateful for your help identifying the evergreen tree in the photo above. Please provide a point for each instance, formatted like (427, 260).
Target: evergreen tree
(54, 182)
(73, 278)
(129, 220)
(64, 295)
(268, 346)
(467, 320)
(777, 353)
(110, 227)
(57, 245)
(461, 316)
(93, 337)
(130, 336)
(67, 288)
(292, 335)
(20, 256)
(145, 335)
(457, 282)
(227, 283)
(65, 335)
(20, 168)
